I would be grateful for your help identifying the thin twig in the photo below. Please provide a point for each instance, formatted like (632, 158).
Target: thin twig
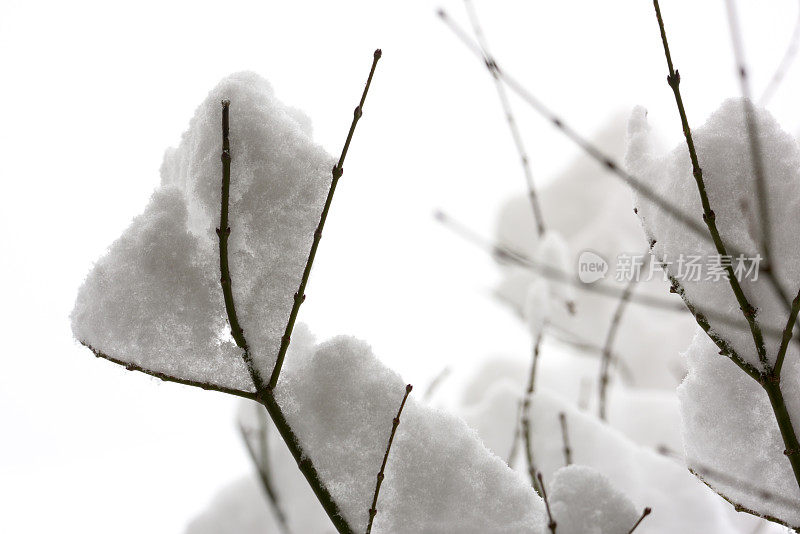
(787, 335)
(526, 408)
(551, 524)
(783, 67)
(562, 418)
(169, 378)
(261, 463)
(709, 217)
(611, 335)
(338, 170)
(395, 423)
(223, 232)
(509, 115)
(645, 513)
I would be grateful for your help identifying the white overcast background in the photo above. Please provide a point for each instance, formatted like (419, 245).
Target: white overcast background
(92, 93)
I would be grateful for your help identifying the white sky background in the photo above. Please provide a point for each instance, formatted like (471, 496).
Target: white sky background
(93, 92)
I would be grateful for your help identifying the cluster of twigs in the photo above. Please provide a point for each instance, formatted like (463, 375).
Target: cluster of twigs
(768, 375)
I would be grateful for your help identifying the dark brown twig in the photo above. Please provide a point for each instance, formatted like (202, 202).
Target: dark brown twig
(562, 418)
(338, 170)
(551, 524)
(749, 312)
(395, 423)
(645, 513)
(769, 379)
(223, 232)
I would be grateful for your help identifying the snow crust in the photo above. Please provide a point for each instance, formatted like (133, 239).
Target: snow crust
(341, 400)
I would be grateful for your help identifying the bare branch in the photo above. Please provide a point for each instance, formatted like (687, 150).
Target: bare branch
(338, 170)
(749, 312)
(261, 462)
(395, 423)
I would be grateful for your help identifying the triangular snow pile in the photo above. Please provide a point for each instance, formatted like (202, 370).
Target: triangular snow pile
(154, 301)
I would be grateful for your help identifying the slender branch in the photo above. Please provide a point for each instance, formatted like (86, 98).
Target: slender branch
(338, 170)
(509, 115)
(605, 359)
(783, 67)
(787, 335)
(562, 418)
(265, 395)
(262, 467)
(169, 378)
(756, 157)
(709, 217)
(551, 524)
(223, 232)
(645, 513)
(526, 408)
(395, 423)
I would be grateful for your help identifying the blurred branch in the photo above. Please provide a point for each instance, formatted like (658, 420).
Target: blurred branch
(261, 462)
(591, 150)
(509, 115)
(784, 65)
(705, 473)
(551, 273)
(562, 419)
(611, 335)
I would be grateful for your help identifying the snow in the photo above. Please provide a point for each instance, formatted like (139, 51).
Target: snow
(584, 501)
(537, 306)
(680, 502)
(724, 155)
(154, 299)
(728, 427)
(341, 400)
